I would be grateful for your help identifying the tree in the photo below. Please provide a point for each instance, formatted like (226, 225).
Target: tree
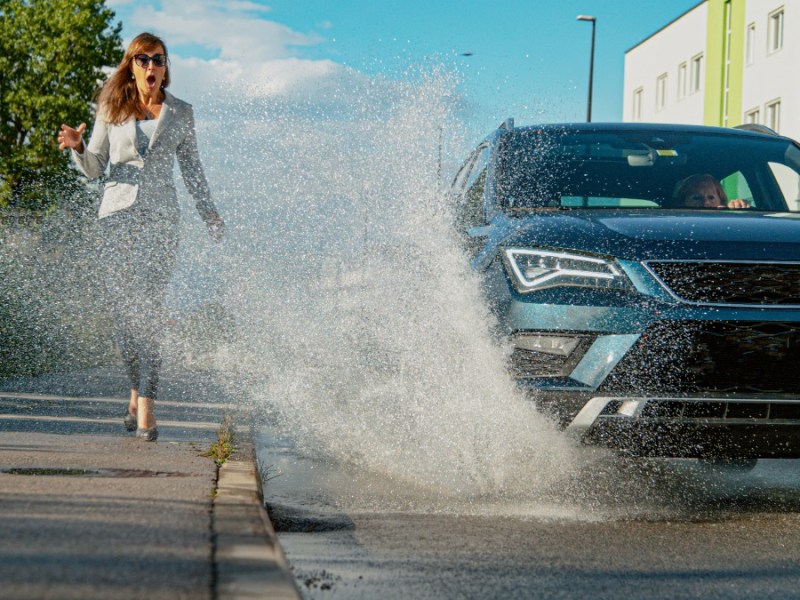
(52, 59)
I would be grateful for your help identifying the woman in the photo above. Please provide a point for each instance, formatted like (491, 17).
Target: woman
(139, 130)
(704, 191)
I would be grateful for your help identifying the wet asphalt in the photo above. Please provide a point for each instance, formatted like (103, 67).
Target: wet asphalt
(88, 511)
(111, 517)
(629, 529)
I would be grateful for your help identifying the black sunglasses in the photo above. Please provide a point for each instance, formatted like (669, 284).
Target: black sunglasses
(143, 60)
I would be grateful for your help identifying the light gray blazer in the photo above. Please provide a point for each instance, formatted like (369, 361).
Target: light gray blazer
(148, 180)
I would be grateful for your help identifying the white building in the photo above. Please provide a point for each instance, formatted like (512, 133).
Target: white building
(723, 62)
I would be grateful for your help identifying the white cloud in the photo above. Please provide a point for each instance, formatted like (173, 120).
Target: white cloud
(290, 79)
(243, 5)
(251, 55)
(251, 67)
(282, 77)
(235, 29)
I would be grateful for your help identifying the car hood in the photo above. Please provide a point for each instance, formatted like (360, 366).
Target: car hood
(659, 234)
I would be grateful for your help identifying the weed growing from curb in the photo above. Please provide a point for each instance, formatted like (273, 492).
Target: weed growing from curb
(268, 472)
(222, 449)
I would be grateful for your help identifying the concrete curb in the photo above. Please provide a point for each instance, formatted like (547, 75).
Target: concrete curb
(248, 560)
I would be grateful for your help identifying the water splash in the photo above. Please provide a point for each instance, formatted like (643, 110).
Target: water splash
(366, 332)
(341, 305)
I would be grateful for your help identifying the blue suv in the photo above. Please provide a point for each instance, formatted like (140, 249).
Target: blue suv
(645, 314)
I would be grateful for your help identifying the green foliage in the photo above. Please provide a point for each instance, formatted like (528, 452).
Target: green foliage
(52, 56)
(222, 449)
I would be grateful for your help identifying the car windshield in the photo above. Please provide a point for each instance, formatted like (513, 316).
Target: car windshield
(541, 168)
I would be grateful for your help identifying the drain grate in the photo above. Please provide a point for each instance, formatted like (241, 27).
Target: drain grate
(62, 472)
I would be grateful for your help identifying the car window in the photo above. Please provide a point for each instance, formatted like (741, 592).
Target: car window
(603, 202)
(736, 186)
(639, 168)
(470, 203)
(473, 200)
(789, 182)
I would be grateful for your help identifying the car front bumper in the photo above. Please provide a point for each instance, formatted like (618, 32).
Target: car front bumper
(654, 377)
(710, 426)
(692, 427)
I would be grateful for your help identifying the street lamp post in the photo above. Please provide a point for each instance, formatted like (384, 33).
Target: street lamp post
(593, 21)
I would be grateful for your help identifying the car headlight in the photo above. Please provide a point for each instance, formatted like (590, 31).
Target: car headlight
(534, 270)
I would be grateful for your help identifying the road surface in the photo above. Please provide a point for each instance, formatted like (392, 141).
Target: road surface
(637, 529)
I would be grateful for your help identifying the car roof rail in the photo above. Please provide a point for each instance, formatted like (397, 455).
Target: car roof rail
(756, 127)
(508, 124)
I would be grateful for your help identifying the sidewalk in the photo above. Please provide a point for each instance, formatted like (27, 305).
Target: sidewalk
(88, 511)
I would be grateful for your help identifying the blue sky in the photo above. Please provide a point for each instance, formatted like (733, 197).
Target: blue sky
(529, 58)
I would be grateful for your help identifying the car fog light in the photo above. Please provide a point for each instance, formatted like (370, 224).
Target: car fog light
(544, 355)
(629, 408)
(548, 344)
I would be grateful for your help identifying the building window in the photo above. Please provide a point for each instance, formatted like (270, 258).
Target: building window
(683, 80)
(750, 44)
(752, 116)
(661, 91)
(776, 30)
(696, 82)
(773, 115)
(637, 104)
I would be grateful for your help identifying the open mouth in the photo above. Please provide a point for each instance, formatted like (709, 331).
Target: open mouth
(151, 79)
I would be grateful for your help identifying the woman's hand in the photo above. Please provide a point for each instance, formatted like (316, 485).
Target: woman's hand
(738, 203)
(216, 226)
(71, 138)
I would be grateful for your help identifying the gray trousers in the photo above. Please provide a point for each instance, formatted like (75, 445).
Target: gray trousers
(137, 253)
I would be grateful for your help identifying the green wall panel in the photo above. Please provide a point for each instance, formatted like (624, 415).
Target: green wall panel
(714, 105)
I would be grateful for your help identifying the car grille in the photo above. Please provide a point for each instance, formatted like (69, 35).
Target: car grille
(712, 356)
(741, 283)
(688, 410)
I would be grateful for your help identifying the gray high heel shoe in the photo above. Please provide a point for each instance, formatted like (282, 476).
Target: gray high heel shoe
(130, 422)
(148, 435)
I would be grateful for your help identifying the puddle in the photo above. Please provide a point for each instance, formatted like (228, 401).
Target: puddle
(66, 472)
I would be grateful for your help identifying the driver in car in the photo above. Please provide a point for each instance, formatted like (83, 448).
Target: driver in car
(705, 191)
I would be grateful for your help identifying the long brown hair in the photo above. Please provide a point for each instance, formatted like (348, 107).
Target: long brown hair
(689, 185)
(118, 99)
